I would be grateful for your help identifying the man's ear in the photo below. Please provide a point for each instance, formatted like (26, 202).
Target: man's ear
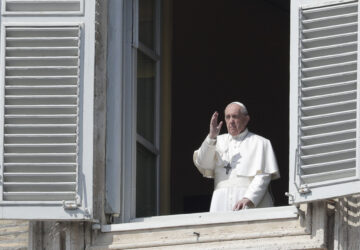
(247, 119)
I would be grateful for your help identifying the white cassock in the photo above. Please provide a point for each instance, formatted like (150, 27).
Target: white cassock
(253, 166)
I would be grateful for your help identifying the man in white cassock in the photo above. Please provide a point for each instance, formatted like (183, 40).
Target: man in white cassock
(242, 163)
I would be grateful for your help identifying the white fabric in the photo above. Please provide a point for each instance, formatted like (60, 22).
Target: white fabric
(253, 165)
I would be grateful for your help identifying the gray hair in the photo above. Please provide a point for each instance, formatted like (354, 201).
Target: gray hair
(243, 109)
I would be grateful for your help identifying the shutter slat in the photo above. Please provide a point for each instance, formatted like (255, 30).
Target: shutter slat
(329, 166)
(41, 87)
(35, 178)
(55, 178)
(329, 59)
(329, 20)
(42, 31)
(329, 69)
(330, 175)
(316, 80)
(40, 157)
(40, 99)
(328, 156)
(328, 137)
(328, 147)
(20, 42)
(330, 49)
(329, 30)
(328, 117)
(330, 10)
(328, 127)
(41, 186)
(329, 88)
(323, 99)
(323, 109)
(42, 61)
(44, 147)
(40, 167)
(38, 196)
(42, 7)
(40, 90)
(47, 128)
(329, 40)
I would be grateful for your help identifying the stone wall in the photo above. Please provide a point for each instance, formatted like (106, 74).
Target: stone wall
(14, 234)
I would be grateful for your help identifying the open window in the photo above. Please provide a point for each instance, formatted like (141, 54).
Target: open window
(201, 71)
(46, 109)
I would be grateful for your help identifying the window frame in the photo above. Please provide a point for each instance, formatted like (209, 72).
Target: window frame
(122, 136)
(153, 54)
(127, 91)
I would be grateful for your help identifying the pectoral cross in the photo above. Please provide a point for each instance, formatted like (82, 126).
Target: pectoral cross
(227, 167)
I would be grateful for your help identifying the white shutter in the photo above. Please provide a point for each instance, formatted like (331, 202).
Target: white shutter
(47, 98)
(324, 101)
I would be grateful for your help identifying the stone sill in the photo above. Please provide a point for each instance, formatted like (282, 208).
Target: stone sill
(196, 219)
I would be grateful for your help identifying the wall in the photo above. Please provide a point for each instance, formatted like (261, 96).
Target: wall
(317, 227)
(14, 234)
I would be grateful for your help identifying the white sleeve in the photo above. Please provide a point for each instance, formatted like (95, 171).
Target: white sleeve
(257, 188)
(204, 157)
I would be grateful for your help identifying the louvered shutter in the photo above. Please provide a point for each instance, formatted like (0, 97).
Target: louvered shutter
(46, 109)
(324, 101)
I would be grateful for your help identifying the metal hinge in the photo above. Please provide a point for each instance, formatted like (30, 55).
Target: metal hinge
(304, 189)
(72, 205)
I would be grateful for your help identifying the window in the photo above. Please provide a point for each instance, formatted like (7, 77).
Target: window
(141, 109)
(322, 143)
(122, 113)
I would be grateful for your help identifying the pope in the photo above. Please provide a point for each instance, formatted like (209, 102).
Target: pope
(241, 163)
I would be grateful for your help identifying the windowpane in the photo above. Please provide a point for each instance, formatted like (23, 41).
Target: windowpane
(146, 22)
(146, 97)
(145, 182)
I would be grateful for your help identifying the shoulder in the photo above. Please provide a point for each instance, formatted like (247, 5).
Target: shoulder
(252, 137)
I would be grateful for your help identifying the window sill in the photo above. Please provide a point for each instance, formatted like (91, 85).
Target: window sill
(272, 213)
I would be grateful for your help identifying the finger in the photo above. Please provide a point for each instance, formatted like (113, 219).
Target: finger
(214, 119)
(214, 116)
(220, 125)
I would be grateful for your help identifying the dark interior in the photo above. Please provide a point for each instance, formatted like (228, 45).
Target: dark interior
(227, 51)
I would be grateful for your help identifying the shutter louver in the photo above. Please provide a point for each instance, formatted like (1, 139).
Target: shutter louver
(42, 7)
(328, 93)
(41, 113)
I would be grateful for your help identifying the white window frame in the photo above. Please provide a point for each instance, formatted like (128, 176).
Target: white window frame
(153, 54)
(122, 136)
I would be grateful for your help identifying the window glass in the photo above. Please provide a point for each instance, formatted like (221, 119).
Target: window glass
(146, 97)
(146, 22)
(146, 182)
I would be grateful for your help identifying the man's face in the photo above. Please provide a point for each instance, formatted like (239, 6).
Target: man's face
(236, 122)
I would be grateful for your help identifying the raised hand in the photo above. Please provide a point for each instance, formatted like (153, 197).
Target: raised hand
(214, 126)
